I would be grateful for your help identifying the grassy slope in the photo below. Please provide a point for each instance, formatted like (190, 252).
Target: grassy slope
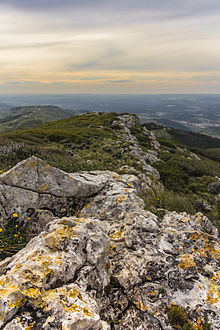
(84, 142)
(27, 117)
(202, 144)
(90, 142)
(185, 177)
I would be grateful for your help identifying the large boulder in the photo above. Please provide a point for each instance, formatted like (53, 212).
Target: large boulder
(32, 187)
(114, 265)
(46, 283)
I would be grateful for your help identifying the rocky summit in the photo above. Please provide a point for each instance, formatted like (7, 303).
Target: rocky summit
(97, 259)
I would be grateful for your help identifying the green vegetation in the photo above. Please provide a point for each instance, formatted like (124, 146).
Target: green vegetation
(86, 142)
(201, 144)
(12, 238)
(179, 320)
(191, 139)
(159, 200)
(27, 117)
(94, 142)
(186, 179)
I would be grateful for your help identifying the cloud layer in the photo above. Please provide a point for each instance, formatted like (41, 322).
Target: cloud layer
(101, 46)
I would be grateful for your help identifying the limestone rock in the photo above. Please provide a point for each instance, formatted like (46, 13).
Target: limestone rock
(39, 278)
(127, 122)
(34, 185)
(114, 265)
(36, 176)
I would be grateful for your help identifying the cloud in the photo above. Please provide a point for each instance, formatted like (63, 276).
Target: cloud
(109, 43)
(121, 81)
(186, 6)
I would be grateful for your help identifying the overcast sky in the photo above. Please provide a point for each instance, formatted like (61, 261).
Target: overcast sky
(100, 46)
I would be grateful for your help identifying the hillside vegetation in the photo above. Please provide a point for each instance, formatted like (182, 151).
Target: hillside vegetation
(202, 144)
(95, 141)
(28, 117)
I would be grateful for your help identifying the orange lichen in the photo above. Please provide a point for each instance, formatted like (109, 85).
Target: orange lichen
(107, 266)
(142, 307)
(87, 312)
(187, 261)
(112, 248)
(116, 236)
(155, 311)
(44, 187)
(185, 219)
(120, 199)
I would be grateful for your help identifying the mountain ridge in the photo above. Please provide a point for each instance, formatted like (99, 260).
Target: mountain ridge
(108, 264)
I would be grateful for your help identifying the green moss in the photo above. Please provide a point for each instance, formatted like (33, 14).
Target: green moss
(178, 318)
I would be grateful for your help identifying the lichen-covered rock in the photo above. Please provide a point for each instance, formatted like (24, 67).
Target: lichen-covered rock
(49, 277)
(114, 265)
(36, 176)
(32, 186)
(127, 122)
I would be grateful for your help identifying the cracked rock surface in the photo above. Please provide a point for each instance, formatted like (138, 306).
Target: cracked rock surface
(113, 266)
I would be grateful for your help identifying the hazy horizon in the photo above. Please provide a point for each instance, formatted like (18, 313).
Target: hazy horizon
(103, 47)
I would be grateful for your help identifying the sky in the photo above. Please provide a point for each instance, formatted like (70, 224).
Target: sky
(109, 47)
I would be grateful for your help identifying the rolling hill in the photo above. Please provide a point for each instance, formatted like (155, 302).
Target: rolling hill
(31, 116)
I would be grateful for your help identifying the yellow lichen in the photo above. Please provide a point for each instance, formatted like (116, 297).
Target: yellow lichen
(87, 312)
(142, 307)
(187, 261)
(117, 235)
(32, 163)
(33, 293)
(44, 187)
(120, 199)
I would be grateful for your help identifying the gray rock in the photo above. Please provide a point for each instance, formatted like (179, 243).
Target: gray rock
(114, 264)
(70, 250)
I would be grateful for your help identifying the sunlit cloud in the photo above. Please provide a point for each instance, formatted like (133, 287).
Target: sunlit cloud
(109, 47)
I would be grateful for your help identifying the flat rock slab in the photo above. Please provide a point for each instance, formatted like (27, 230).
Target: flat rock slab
(35, 175)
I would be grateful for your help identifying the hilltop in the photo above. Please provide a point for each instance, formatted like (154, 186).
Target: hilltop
(113, 227)
(30, 116)
(117, 142)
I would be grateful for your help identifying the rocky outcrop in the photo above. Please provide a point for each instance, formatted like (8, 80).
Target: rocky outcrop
(37, 191)
(126, 122)
(114, 265)
(45, 284)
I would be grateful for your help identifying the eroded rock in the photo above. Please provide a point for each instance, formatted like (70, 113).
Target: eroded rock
(114, 265)
(52, 274)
